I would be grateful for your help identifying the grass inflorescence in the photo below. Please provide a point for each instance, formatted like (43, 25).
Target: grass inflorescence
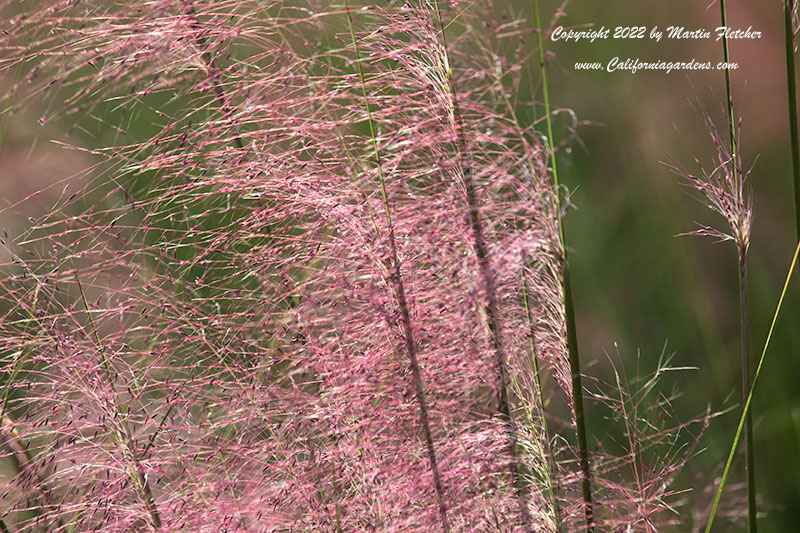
(315, 277)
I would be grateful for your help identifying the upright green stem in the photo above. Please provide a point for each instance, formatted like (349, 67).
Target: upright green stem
(400, 293)
(490, 308)
(728, 99)
(791, 90)
(752, 389)
(572, 334)
(748, 426)
(742, 249)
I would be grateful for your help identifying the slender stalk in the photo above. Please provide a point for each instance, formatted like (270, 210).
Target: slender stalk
(551, 488)
(746, 409)
(748, 426)
(490, 307)
(572, 334)
(211, 67)
(728, 99)
(124, 440)
(396, 279)
(752, 524)
(791, 90)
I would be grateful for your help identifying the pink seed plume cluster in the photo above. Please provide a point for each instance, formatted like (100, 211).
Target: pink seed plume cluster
(723, 188)
(266, 305)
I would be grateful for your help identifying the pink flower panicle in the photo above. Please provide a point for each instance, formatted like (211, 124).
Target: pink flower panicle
(233, 358)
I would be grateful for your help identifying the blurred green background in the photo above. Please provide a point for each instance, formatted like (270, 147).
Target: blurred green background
(636, 284)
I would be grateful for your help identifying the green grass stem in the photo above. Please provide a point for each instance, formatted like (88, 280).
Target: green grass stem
(572, 335)
(490, 308)
(752, 524)
(549, 481)
(791, 90)
(396, 279)
(747, 403)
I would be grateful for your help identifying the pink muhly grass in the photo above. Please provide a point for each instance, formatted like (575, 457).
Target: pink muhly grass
(494, 325)
(576, 385)
(723, 189)
(396, 278)
(258, 312)
(635, 474)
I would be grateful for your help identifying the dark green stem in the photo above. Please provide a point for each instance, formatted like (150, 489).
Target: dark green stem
(572, 334)
(742, 248)
(788, 9)
(490, 308)
(396, 279)
(748, 425)
(728, 99)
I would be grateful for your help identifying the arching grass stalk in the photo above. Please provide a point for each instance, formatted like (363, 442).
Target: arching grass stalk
(396, 278)
(490, 307)
(746, 409)
(742, 256)
(572, 336)
(791, 90)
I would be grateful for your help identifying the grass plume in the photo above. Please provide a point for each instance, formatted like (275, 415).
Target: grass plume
(572, 335)
(396, 277)
(309, 280)
(741, 245)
